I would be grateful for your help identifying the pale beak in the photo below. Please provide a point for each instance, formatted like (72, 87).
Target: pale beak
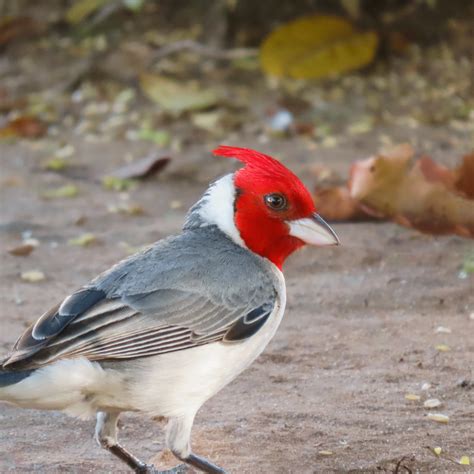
(313, 230)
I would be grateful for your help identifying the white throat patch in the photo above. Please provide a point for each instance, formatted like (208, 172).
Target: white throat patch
(217, 207)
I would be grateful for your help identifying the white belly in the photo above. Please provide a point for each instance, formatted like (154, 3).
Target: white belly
(178, 382)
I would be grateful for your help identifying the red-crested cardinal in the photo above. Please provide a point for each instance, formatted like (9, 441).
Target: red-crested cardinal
(164, 330)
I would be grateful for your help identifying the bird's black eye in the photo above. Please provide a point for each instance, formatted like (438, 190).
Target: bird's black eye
(275, 201)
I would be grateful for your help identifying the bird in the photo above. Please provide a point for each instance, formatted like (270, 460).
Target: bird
(165, 329)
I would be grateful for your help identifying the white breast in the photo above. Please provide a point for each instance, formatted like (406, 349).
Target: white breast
(179, 382)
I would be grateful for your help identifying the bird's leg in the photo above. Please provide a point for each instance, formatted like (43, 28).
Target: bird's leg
(106, 436)
(178, 440)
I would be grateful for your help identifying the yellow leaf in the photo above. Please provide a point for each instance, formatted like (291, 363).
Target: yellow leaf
(412, 397)
(55, 164)
(83, 8)
(83, 240)
(442, 348)
(316, 46)
(33, 276)
(465, 461)
(437, 451)
(439, 417)
(175, 96)
(117, 184)
(67, 191)
(326, 453)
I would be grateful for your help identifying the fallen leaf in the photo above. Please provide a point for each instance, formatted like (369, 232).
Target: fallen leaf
(26, 127)
(442, 348)
(336, 204)
(438, 417)
(65, 152)
(432, 403)
(160, 137)
(326, 453)
(17, 27)
(176, 97)
(67, 191)
(316, 46)
(468, 264)
(113, 183)
(465, 461)
(412, 397)
(142, 168)
(437, 450)
(209, 121)
(387, 187)
(79, 10)
(127, 209)
(55, 164)
(465, 176)
(442, 330)
(33, 276)
(83, 240)
(21, 250)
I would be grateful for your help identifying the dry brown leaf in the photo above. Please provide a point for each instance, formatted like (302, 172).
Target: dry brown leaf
(336, 204)
(436, 173)
(387, 187)
(18, 27)
(21, 250)
(142, 168)
(27, 127)
(465, 176)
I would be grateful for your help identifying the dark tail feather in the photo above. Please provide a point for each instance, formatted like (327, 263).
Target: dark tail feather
(11, 377)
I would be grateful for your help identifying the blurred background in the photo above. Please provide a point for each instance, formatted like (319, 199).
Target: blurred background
(109, 111)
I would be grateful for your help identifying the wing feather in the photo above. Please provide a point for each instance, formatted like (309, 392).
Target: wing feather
(157, 302)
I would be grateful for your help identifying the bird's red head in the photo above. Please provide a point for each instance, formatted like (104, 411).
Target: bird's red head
(273, 211)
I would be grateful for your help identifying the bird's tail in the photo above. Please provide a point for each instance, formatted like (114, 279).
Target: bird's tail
(11, 377)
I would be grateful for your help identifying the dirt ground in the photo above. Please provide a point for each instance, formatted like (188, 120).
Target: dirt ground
(385, 315)
(327, 395)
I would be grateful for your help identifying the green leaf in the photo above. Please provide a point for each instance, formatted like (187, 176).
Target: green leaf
(67, 191)
(113, 183)
(160, 137)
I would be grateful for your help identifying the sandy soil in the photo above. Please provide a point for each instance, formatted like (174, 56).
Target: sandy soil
(359, 331)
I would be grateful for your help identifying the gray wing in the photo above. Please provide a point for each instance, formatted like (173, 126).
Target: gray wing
(171, 297)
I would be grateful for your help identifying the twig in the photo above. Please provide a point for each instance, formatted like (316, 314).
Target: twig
(399, 465)
(203, 50)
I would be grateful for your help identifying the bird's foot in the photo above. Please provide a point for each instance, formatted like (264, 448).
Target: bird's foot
(151, 469)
